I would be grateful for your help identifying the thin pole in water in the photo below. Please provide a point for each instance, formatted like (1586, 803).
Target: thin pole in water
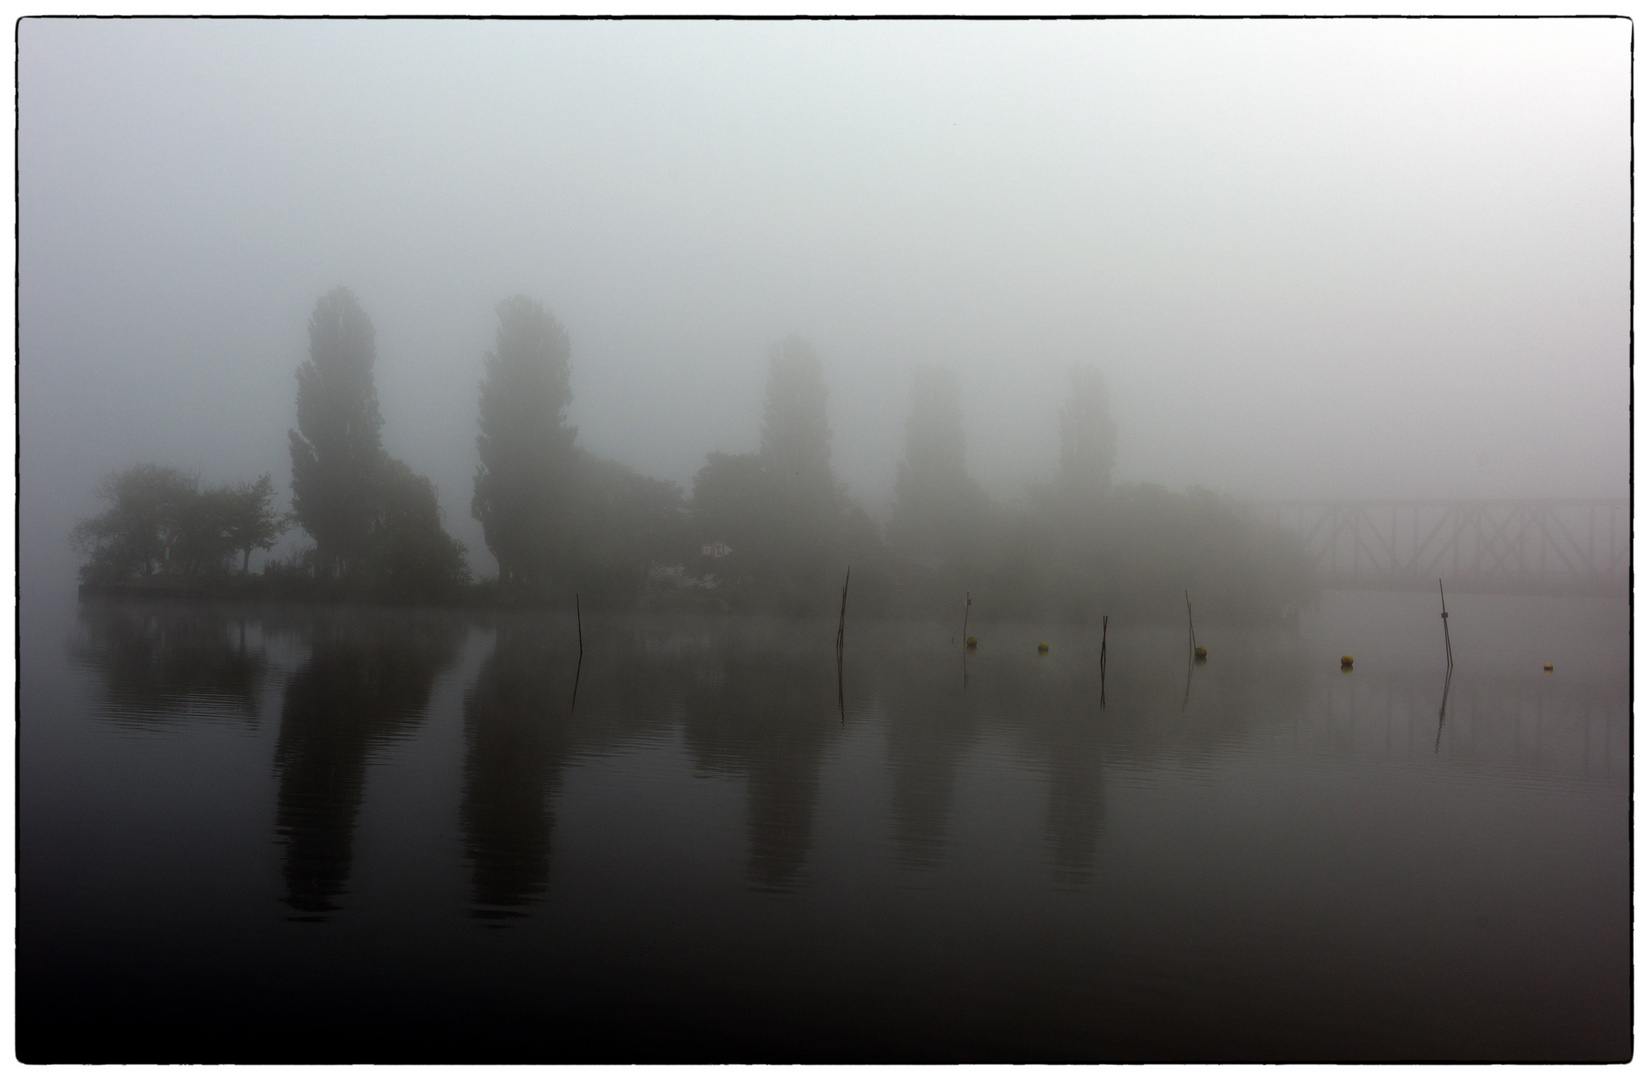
(1447, 645)
(1189, 621)
(965, 609)
(1448, 677)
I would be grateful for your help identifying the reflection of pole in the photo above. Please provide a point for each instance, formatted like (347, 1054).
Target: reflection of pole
(1189, 666)
(1104, 624)
(579, 615)
(1442, 709)
(841, 638)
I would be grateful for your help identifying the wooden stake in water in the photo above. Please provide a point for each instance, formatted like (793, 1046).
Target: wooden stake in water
(965, 609)
(1448, 677)
(1189, 621)
(1447, 645)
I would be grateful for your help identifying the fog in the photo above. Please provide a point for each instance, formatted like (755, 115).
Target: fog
(1311, 258)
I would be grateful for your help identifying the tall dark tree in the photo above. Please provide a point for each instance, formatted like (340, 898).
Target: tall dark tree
(937, 507)
(1087, 435)
(795, 434)
(524, 483)
(337, 449)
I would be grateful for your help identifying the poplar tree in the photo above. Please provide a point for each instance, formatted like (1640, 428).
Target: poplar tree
(1087, 435)
(937, 506)
(795, 434)
(524, 484)
(337, 451)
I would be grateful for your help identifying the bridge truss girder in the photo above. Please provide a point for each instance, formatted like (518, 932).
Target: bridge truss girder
(1518, 546)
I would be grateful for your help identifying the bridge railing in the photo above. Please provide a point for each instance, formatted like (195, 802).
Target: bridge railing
(1509, 546)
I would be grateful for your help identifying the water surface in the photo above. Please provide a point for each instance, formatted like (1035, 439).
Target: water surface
(307, 833)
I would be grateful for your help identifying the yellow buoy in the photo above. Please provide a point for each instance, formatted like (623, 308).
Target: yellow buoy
(1202, 653)
(1345, 661)
(973, 643)
(1042, 646)
(1548, 667)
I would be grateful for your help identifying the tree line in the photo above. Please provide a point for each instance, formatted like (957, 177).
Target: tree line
(770, 529)
(160, 518)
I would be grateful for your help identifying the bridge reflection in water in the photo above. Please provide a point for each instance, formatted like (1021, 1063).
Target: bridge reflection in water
(1507, 546)
(1546, 733)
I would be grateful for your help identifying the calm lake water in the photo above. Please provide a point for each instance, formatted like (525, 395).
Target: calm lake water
(294, 833)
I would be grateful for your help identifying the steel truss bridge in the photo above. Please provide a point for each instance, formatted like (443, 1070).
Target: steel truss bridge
(1510, 546)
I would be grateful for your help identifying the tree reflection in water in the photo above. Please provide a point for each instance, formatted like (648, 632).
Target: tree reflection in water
(1051, 706)
(159, 665)
(521, 730)
(514, 717)
(1076, 795)
(766, 711)
(1048, 708)
(931, 727)
(367, 681)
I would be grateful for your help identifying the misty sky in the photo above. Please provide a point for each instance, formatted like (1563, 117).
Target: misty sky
(1312, 258)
